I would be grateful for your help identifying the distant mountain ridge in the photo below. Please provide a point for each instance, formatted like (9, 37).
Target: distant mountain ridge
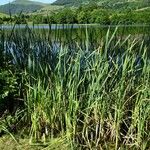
(25, 6)
(29, 6)
(27, 2)
(71, 2)
(116, 4)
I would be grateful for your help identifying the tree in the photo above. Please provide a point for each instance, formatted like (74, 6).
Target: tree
(1, 21)
(99, 16)
(6, 19)
(83, 17)
(51, 19)
(20, 19)
(65, 16)
(37, 19)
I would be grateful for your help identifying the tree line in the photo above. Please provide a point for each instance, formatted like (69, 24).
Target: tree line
(85, 15)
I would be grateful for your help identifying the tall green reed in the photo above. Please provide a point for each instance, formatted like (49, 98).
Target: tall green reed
(91, 94)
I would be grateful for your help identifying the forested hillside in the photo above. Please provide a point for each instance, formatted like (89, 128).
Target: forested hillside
(103, 12)
(114, 4)
(29, 6)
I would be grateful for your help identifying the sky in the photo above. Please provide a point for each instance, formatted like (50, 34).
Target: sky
(2, 2)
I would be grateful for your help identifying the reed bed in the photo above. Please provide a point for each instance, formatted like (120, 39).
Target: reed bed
(84, 93)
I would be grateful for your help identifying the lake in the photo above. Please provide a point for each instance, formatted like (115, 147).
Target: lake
(60, 26)
(40, 38)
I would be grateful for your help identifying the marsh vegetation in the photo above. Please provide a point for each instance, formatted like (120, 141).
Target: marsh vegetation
(81, 88)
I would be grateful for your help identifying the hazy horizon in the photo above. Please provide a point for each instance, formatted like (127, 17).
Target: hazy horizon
(2, 2)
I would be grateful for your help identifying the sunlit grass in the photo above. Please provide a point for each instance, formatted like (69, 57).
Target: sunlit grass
(3, 15)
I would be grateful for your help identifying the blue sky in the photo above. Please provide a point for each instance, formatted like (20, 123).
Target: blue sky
(44, 1)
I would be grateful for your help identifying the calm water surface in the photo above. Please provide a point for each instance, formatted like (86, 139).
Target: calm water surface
(60, 26)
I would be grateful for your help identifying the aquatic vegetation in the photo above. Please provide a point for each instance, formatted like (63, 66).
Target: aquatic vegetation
(94, 92)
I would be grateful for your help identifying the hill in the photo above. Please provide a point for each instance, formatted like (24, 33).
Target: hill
(48, 9)
(25, 6)
(71, 2)
(27, 2)
(111, 4)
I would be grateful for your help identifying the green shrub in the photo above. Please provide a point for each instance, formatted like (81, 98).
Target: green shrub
(8, 89)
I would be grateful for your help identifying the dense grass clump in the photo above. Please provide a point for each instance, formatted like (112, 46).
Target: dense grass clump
(87, 94)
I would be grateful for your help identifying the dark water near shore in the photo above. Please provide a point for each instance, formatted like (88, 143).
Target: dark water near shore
(91, 35)
(124, 29)
(60, 26)
(44, 42)
(72, 30)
